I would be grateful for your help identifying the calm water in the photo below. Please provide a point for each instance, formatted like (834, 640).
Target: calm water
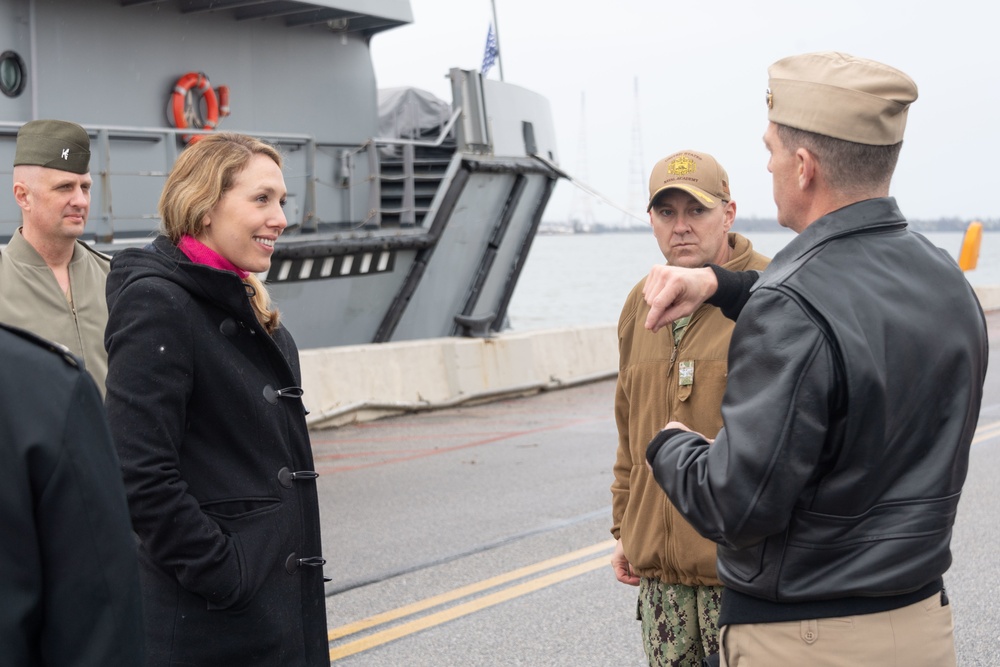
(583, 279)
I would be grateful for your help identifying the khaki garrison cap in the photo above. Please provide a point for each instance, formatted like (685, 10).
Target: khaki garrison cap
(840, 96)
(56, 144)
(698, 174)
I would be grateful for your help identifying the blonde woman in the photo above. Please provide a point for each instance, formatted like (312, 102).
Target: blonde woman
(206, 412)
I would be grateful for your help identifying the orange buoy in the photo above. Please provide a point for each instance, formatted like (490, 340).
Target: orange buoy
(185, 107)
(969, 256)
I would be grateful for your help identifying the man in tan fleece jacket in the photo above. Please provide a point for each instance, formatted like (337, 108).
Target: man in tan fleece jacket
(678, 377)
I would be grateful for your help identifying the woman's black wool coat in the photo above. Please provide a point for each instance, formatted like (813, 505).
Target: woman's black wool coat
(210, 428)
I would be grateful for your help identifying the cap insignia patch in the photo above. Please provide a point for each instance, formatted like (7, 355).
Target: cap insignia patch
(681, 166)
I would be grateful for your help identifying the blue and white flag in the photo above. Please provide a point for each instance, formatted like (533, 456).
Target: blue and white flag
(491, 52)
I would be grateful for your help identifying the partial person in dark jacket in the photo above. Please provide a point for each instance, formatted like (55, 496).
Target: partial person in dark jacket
(855, 379)
(206, 411)
(69, 585)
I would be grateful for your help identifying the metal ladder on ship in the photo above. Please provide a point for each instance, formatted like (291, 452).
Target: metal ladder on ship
(408, 184)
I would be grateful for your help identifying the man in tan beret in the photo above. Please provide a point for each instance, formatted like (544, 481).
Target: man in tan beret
(51, 282)
(856, 371)
(674, 377)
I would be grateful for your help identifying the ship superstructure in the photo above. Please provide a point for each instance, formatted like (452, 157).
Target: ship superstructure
(397, 230)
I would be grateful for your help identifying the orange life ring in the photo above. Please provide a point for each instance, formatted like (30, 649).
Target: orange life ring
(181, 109)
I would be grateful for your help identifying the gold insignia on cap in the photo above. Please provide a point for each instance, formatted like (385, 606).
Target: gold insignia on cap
(681, 166)
(770, 99)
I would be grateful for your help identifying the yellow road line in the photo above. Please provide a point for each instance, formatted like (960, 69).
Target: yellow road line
(385, 636)
(986, 432)
(392, 615)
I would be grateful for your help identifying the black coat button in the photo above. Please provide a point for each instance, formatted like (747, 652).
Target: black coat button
(229, 327)
(286, 476)
(293, 562)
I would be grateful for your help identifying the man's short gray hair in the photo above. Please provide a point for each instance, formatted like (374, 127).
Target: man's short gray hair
(846, 165)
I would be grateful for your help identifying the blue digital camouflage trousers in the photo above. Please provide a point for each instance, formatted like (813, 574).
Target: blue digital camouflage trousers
(680, 624)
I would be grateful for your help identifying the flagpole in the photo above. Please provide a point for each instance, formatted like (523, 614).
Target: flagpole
(496, 35)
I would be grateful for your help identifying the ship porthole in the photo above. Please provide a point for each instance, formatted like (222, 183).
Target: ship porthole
(12, 75)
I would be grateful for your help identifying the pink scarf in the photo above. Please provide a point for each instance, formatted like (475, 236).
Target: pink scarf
(199, 253)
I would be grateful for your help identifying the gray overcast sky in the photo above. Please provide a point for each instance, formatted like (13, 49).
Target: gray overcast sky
(702, 72)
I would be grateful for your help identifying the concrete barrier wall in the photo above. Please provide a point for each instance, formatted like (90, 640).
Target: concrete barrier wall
(364, 382)
(989, 296)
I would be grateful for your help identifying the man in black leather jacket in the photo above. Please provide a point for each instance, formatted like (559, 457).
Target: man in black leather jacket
(855, 379)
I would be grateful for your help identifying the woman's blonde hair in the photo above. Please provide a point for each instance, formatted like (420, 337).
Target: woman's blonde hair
(203, 173)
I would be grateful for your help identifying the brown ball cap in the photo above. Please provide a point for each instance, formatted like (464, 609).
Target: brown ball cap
(56, 144)
(840, 96)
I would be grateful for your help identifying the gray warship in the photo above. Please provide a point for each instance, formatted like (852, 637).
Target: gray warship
(409, 217)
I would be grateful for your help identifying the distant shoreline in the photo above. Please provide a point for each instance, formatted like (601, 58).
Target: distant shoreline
(759, 225)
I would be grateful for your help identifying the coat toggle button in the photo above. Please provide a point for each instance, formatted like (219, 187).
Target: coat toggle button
(286, 476)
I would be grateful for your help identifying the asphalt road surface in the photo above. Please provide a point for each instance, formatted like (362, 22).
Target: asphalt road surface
(479, 536)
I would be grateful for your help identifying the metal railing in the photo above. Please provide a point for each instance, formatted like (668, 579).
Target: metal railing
(348, 178)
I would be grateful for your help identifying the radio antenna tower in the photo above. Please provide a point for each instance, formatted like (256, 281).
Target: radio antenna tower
(582, 212)
(636, 201)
